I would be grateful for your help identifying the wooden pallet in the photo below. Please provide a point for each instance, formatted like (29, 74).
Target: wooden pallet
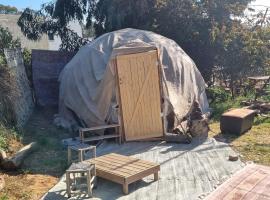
(124, 169)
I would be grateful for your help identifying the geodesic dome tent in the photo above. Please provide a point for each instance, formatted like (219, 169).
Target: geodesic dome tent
(88, 83)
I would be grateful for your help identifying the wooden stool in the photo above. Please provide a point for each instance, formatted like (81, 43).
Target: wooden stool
(80, 169)
(81, 148)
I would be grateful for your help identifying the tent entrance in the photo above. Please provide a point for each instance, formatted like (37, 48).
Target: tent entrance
(139, 95)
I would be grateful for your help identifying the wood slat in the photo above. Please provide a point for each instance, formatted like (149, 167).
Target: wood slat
(142, 174)
(123, 169)
(112, 166)
(101, 137)
(99, 127)
(115, 155)
(115, 172)
(135, 165)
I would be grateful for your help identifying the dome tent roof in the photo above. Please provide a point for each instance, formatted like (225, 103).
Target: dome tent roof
(87, 83)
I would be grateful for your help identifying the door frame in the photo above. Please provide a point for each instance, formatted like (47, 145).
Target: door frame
(118, 98)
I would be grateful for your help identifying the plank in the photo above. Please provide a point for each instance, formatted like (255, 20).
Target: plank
(99, 127)
(111, 177)
(101, 137)
(115, 169)
(143, 174)
(123, 169)
(135, 165)
(129, 159)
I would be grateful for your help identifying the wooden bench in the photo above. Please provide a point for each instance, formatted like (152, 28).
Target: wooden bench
(124, 169)
(237, 121)
(83, 131)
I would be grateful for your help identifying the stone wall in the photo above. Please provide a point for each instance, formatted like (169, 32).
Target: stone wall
(23, 104)
(46, 67)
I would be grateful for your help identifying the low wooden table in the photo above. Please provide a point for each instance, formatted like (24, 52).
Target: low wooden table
(124, 169)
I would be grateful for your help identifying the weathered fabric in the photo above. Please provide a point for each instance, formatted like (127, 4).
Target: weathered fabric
(87, 83)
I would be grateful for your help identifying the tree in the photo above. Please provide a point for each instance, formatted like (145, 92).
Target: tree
(53, 18)
(8, 9)
(243, 53)
(210, 31)
(111, 15)
(6, 41)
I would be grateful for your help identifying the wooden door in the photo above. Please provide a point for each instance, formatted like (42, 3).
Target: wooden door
(139, 91)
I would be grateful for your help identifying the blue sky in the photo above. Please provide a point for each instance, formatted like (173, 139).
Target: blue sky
(35, 4)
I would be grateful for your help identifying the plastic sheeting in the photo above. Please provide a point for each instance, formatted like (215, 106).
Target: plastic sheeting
(87, 83)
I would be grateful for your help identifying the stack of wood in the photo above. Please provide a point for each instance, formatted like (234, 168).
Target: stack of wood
(194, 125)
(261, 107)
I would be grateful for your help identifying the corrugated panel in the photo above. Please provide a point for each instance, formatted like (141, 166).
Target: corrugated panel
(46, 67)
(140, 95)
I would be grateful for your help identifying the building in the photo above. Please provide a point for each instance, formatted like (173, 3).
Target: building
(10, 21)
(47, 43)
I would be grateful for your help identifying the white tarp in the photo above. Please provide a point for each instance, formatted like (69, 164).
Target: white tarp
(187, 171)
(87, 83)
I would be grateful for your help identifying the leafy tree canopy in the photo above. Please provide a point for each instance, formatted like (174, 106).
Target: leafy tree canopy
(212, 32)
(6, 41)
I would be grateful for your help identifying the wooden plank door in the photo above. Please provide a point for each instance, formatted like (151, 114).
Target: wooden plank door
(139, 91)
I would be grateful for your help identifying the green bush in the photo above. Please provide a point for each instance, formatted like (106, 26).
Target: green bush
(28, 64)
(217, 94)
(222, 106)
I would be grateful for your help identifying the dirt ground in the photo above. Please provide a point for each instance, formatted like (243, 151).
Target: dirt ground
(42, 169)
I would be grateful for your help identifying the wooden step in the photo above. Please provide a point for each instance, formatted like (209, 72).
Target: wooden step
(101, 137)
(99, 127)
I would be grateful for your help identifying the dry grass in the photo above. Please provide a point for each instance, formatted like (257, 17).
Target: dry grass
(26, 186)
(43, 168)
(254, 145)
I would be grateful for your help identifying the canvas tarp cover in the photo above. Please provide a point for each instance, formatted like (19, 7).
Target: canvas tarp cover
(87, 83)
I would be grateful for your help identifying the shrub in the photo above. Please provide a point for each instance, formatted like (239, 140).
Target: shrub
(217, 94)
(28, 64)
